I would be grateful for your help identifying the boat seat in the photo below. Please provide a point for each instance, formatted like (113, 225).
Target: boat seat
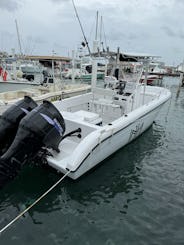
(83, 117)
(105, 103)
(89, 117)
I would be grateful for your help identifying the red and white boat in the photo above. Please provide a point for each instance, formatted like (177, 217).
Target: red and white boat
(152, 79)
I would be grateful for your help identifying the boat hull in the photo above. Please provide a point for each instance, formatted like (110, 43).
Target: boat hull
(113, 143)
(106, 146)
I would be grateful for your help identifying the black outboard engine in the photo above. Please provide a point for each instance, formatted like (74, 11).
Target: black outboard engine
(42, 127)
(9, 121)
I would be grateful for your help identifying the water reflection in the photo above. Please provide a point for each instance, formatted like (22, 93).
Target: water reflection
(119, 174)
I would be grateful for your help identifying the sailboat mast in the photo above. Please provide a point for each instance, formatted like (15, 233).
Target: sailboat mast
(96, 33)
(101, 43)
(18, 36)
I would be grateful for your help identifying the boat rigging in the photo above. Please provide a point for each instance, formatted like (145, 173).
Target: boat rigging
(86, 42)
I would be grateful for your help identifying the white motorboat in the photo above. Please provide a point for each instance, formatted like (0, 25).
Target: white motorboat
(80, 131)
(108, 120)
(16, 73)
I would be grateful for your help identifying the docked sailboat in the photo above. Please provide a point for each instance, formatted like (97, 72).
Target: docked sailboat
(83, 130)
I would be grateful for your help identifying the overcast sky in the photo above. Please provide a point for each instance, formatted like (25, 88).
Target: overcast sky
(143, 26)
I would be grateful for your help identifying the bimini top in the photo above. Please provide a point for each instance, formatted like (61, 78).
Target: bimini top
(123, 56)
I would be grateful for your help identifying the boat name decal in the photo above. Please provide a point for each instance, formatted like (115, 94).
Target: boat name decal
(135, 132)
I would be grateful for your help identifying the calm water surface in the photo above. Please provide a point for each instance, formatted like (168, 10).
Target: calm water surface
(12, 87)
(136, 196)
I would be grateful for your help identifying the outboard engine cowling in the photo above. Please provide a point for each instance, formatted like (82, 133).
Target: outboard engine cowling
(9, 121)
(43, 126)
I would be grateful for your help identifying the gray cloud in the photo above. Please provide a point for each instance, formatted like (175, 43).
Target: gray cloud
(7, 39)
(39, 40)
(114, 35)
(181, 35)
(162, 4)
(133, 36)
(152, 26)
(179, 2)
(169, 31)
(173, 32)
(177, 50)
(10, 5)
(7, 34)
(59, 1)
(32, 42)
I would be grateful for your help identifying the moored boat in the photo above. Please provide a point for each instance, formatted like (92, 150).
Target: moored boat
(84, 130)
(152, 79)
(108, 120)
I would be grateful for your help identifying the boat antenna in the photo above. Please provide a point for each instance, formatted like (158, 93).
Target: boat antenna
(96, 33)
(105, 39)
(18, 36)
(101, 43)
(81, 27)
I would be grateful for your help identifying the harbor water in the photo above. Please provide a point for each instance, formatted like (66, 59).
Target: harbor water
(13, 87)
(136, 196)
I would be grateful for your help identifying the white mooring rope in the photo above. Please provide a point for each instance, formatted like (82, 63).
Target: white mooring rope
(34, 203)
